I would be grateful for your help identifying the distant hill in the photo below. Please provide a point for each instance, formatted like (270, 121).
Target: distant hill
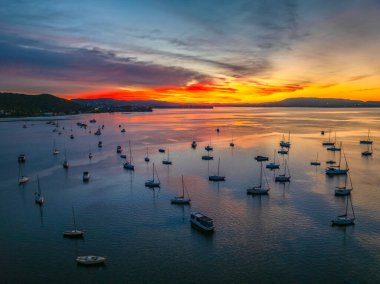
(13, 104)
(312, 102)
(140, 103)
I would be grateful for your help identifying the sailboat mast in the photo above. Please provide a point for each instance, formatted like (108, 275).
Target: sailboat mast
(75, 225)
(153, 172)
(183, 188)
(38, 183)
(261, 173)
(218, 166)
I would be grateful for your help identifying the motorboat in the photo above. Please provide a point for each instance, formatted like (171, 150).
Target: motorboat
(91, 259)
(202, 222)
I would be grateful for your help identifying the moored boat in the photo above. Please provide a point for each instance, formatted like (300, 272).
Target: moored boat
(202, 222)
(91, 259)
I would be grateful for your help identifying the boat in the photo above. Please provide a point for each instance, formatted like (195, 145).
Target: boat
(98, 132)
(334, 148)
(283, 151)
(345, 220)
(161, 150)
(21, 178)
(232, 144)
(182, 199)
(118, 149)
(123, 156)
(93, 121)
(24, 126)
(123, 130)
(329, 142)
(209, 148)
(322, 132)
(194, 144)
(259, 189)
(368, 141)
(86, 176)
(273, 165)
(100, 144)
(73, 233)
(202, 222)
(261, 158)
(152, 183)
(207, 157)
(65, 162)
(21, 158)
(146, 159)
(55, 150)
(167, 161)
(337, 170)
(285, 177)
(72, 136)
(128, 165)
(38, 198)
(330, 162)
(283, 143)
(316, 162)
(217, 177)
(91, 259)
(344, 190)
(368, 152)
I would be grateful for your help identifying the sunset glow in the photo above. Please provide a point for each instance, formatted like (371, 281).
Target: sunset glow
(201, 52)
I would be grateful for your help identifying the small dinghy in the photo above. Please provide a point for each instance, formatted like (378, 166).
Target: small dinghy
(91, 259)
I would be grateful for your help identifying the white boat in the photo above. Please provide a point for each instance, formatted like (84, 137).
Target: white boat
(55, 150)
(128, 165)
(65, 162)
(316, 162)
(146, 159)
(182, 199)
(38, 198)
(345, 220)
(217, 177)
(285, 177)
(368, 141)
(91, 259)
(329, 142)
(337, 170)
(73, 233)
(202, 222)
(283, 143)
(273, 165)
(344, 190)
(86, 176)
(21, 178)
(152, 183)
(167, 161)
(259, 189)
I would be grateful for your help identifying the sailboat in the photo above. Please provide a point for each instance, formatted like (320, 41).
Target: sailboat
(217, 177)
(334, 148)
(89, 153)
(232, 144)
(316, 162)
(259, 189)
(65, 162)
(285, 177)
(182, 199)
(55, 150)
(368, 152)
(207, 157)
(128, 165)
(285, 144)
(123, 130)
(21, 158)
(38, 198)
(118, 149)
(344, 190)
(86, 176)
(167, 161)
(152, 183)
(345, 220)
(283, 151)
(336, 170)
(368, 141)
(209, 147)
(273, 165)
(146, 159)
(21, 178)
(194, 144)
(329, 142)
(73, 233)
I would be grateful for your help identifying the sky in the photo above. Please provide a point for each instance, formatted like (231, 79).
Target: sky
(198, 51)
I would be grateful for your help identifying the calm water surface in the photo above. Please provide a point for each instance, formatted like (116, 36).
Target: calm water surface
(285, 237)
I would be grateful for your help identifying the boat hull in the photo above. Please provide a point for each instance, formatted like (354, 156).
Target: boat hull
(90, 260)
(216, 178)
(256, 190)
(73, 234)
(180, 200)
